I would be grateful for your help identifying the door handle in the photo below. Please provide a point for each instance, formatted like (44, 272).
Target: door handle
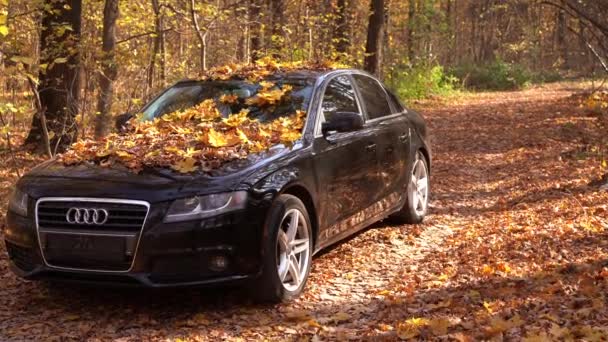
(370, 148)
(404, 137)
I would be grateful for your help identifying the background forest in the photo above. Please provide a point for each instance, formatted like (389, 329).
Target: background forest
(90, 60)
(515, 246)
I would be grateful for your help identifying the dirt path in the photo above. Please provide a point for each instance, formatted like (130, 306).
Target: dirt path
(514, 247)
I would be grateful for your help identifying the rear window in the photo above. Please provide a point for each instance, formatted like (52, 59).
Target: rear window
(374, 97)
(397, 106)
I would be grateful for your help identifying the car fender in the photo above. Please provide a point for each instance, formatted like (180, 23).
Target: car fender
(268, 188)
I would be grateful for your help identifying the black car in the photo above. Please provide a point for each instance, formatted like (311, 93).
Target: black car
(362, 157)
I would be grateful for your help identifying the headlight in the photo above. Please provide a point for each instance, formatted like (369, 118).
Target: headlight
(205, 206)
(18, 202)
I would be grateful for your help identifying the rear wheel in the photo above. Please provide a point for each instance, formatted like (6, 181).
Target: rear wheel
(417, 193)
(287, 251)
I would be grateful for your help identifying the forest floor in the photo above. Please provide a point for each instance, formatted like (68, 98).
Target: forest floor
(515, 246)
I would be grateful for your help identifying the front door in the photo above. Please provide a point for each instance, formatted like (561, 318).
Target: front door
(346, 164)
(393, 138)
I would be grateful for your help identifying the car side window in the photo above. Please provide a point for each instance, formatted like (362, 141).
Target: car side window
(374, 97)
(397, 106)
(339, 97)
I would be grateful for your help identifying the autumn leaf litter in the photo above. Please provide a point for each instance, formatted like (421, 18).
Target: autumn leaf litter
(514, 248)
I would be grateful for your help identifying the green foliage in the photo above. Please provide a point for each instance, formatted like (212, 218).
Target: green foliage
(429, 79)
(421, 81)
(499, 75)
(546, 76)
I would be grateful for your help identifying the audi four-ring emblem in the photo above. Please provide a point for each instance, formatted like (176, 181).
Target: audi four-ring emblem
(91, 216)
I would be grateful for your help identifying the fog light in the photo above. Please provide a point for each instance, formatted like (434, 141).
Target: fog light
(218, 263)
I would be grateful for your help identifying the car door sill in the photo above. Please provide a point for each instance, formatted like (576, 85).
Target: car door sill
(364, 224)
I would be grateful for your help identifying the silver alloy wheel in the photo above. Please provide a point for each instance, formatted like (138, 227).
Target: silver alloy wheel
(293, 249)
(419, 186)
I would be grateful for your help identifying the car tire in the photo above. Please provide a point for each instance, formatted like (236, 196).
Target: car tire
(287, 251)
(417, 193)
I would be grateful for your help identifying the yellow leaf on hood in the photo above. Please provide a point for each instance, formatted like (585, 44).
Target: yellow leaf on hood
(290, 136)
(186, 165)
(229, 98)
(124, 155)
(216, 139)
(238, 119)
(266, 85)
(190, 152)
(103, 153)
(242, 136)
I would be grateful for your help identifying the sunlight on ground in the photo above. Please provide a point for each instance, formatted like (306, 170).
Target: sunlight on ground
(515, 246)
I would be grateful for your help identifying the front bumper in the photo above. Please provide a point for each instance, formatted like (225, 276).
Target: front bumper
(174, 254)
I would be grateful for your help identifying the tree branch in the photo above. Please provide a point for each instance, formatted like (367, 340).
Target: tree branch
(597, 55)
(22, 14)
(143, 35)
(588, 17)
(40, 110)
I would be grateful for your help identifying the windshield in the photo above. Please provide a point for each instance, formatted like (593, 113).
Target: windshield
(234, 96)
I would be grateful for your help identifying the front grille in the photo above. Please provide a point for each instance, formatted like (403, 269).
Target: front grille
(122, 217)
(109, 246)
(20, 256)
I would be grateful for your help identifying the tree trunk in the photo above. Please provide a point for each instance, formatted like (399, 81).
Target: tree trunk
(255, 30)
(277, 8)
(411, 18)
(450, 34)
(59, 83)
(473, 36)
(456, 44)
(108, 69)
(159, 46)
(386, 36)
(309, 34)
(202, 36)
(373, 50)
(584, 54)
(486, 51)
(560, 38)
(241, 44)
(342, 41)
(163, 53)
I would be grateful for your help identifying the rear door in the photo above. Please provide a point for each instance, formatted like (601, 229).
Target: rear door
(392, 131)
(346, 164)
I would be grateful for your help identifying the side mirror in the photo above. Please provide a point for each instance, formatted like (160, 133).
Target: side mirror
(121, 120)
(342, 122)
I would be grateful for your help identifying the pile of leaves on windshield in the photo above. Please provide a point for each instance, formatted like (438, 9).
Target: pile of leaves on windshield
(199, 138)
(264, 68)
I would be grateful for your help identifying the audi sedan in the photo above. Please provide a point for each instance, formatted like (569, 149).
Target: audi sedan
(362, 157)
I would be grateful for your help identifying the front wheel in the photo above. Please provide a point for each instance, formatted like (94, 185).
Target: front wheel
(417, 193)
(287, 249)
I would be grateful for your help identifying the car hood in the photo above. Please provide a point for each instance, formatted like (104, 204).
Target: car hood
(53, 178)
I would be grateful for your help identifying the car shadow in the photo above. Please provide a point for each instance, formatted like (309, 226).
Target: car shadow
(157, 303)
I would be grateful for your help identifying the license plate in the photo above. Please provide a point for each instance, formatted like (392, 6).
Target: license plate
(108, 248)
